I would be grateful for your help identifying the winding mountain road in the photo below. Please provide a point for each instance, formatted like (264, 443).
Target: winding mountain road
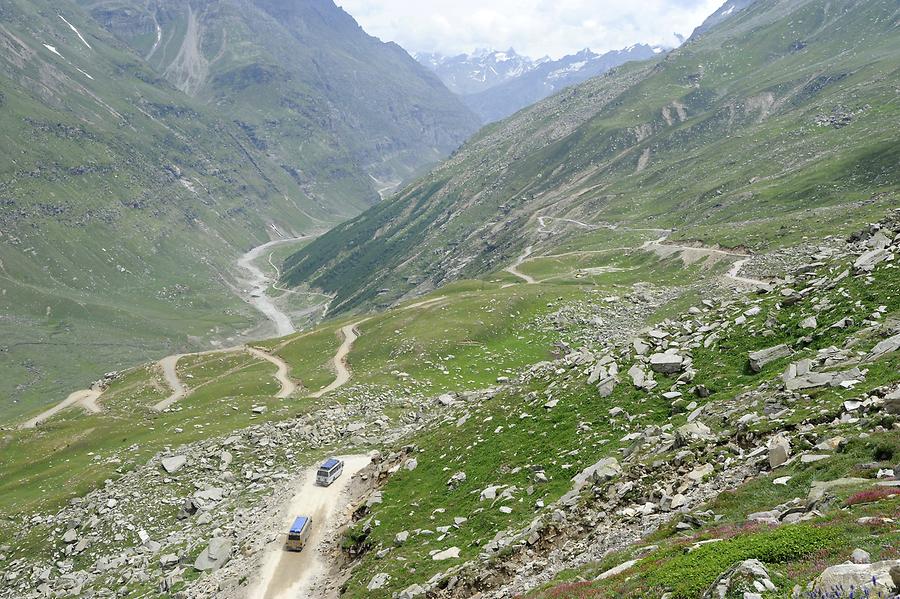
(281, 375)
(513, 269)
(257, 297)
(169, 367)
(86, 399)
(688, 253)
(339, 361)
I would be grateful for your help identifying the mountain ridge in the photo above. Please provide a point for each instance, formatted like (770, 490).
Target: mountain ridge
(527, 81)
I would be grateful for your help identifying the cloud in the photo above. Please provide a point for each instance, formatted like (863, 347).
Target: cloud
(533, 27)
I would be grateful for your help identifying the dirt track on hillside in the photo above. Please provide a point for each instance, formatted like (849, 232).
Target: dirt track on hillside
(286, 575)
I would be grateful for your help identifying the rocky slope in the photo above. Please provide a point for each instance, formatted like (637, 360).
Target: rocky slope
(759, 427)
(778, 113)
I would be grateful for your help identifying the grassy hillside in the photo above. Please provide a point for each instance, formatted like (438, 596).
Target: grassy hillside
(124, 202)
(747, 136)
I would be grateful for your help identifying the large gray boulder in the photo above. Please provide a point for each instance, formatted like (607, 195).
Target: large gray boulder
(872, 578)
(868, 261)
(606, 387)
(779, 451)
(884, 348)
(214, 556)
(378, 581)
(451, 553)
(174, 463)
(667, 363)
(892, 402)
(603, 470)
(759, 359)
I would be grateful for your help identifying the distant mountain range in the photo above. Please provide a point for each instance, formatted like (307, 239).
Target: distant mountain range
(497, 84)
(466, 74)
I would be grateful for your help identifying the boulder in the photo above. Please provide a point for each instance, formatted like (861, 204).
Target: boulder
(809, 323)
(695, 430)
(451, 553)
(867, 579)
(638, 376)
(892, 402)
(603, 470)
(214, 556)
(779, 451)
(457, 479)
(820, 488)
(413, 590)
(759, 359)
(868, 261)
(174, 463)
(401, 537)
(884, 348)
(667, 363)
(606, 387)
(378, 581)
(618, 569)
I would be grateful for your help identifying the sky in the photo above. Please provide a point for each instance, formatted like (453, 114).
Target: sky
(533, 28)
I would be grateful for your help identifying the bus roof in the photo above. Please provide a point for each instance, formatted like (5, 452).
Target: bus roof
(330, 463)
(299, 524)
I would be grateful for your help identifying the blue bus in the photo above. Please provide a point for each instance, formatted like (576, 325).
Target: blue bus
(329, 472)
(299, 533)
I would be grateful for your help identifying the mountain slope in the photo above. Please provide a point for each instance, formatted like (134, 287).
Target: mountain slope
(333, 105)
(777, 113)
(126, 202)
(123, 206)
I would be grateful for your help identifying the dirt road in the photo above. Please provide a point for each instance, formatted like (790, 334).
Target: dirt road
(690, 254)
(735, 272)
(286, 575)
(339, 361)
(281, 375)
(169, 366)
(513, 269)
(86, 399)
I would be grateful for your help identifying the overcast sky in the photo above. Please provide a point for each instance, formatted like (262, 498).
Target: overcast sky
(533, 27)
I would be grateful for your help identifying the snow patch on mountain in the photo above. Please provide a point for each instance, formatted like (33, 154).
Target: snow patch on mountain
(53, 49)
(78, 33)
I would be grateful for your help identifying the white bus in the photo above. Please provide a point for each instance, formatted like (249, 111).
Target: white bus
(329, 472)
(299, 533)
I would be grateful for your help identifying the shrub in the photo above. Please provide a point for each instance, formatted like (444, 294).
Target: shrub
(688, 575)
(872, 495)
